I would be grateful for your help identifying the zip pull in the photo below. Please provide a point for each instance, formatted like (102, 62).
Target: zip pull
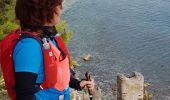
(46, 45)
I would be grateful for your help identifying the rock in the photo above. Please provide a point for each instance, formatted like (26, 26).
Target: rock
(147, 96)
(114, 90)
(83, 95)
(78, 95)
(97, 95)
(130, 88)
(168, 87)
(87, 57)
(74, 63)
(147, 85)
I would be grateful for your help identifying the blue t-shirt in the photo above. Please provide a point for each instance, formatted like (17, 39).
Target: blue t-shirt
(28, 57)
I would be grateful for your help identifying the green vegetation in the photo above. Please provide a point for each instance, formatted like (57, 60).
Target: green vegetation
(7, 17)
(64, 30)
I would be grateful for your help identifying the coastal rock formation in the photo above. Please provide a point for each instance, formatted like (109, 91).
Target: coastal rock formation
(130, 88)
(83, 95)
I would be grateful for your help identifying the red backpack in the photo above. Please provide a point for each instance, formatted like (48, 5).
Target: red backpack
(7, 46)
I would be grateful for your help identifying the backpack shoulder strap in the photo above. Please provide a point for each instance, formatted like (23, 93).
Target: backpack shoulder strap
(62, 46)
(29, 35)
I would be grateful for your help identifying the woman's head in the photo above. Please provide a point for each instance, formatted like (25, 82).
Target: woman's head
(38, 12)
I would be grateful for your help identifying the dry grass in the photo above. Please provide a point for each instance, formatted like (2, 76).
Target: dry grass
(4, 97)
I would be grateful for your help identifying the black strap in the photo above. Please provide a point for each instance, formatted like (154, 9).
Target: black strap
(28, 35)
(46, 31)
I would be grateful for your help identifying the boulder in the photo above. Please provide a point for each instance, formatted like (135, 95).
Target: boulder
(130, 88)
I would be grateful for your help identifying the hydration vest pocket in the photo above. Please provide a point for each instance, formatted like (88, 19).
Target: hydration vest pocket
(56, 71)
(63, 74)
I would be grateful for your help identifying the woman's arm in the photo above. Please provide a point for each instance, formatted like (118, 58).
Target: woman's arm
(25, 85)
(79, 85)
(27, 57)
(75, 83)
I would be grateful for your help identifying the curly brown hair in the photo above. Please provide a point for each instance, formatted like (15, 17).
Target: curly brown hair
(36, 12)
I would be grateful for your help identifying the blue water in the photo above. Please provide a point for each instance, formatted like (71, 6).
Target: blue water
(123, 36)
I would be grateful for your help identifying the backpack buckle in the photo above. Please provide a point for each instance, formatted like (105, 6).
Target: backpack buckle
(61, 97)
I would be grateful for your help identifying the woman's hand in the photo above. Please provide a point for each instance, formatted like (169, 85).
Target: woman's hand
(89, 84)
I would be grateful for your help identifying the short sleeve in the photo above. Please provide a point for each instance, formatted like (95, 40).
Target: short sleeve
(27, 56)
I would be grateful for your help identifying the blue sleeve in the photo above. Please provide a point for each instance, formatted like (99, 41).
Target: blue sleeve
(27, 56)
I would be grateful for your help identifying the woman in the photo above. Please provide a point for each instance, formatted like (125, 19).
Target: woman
(39, 17)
